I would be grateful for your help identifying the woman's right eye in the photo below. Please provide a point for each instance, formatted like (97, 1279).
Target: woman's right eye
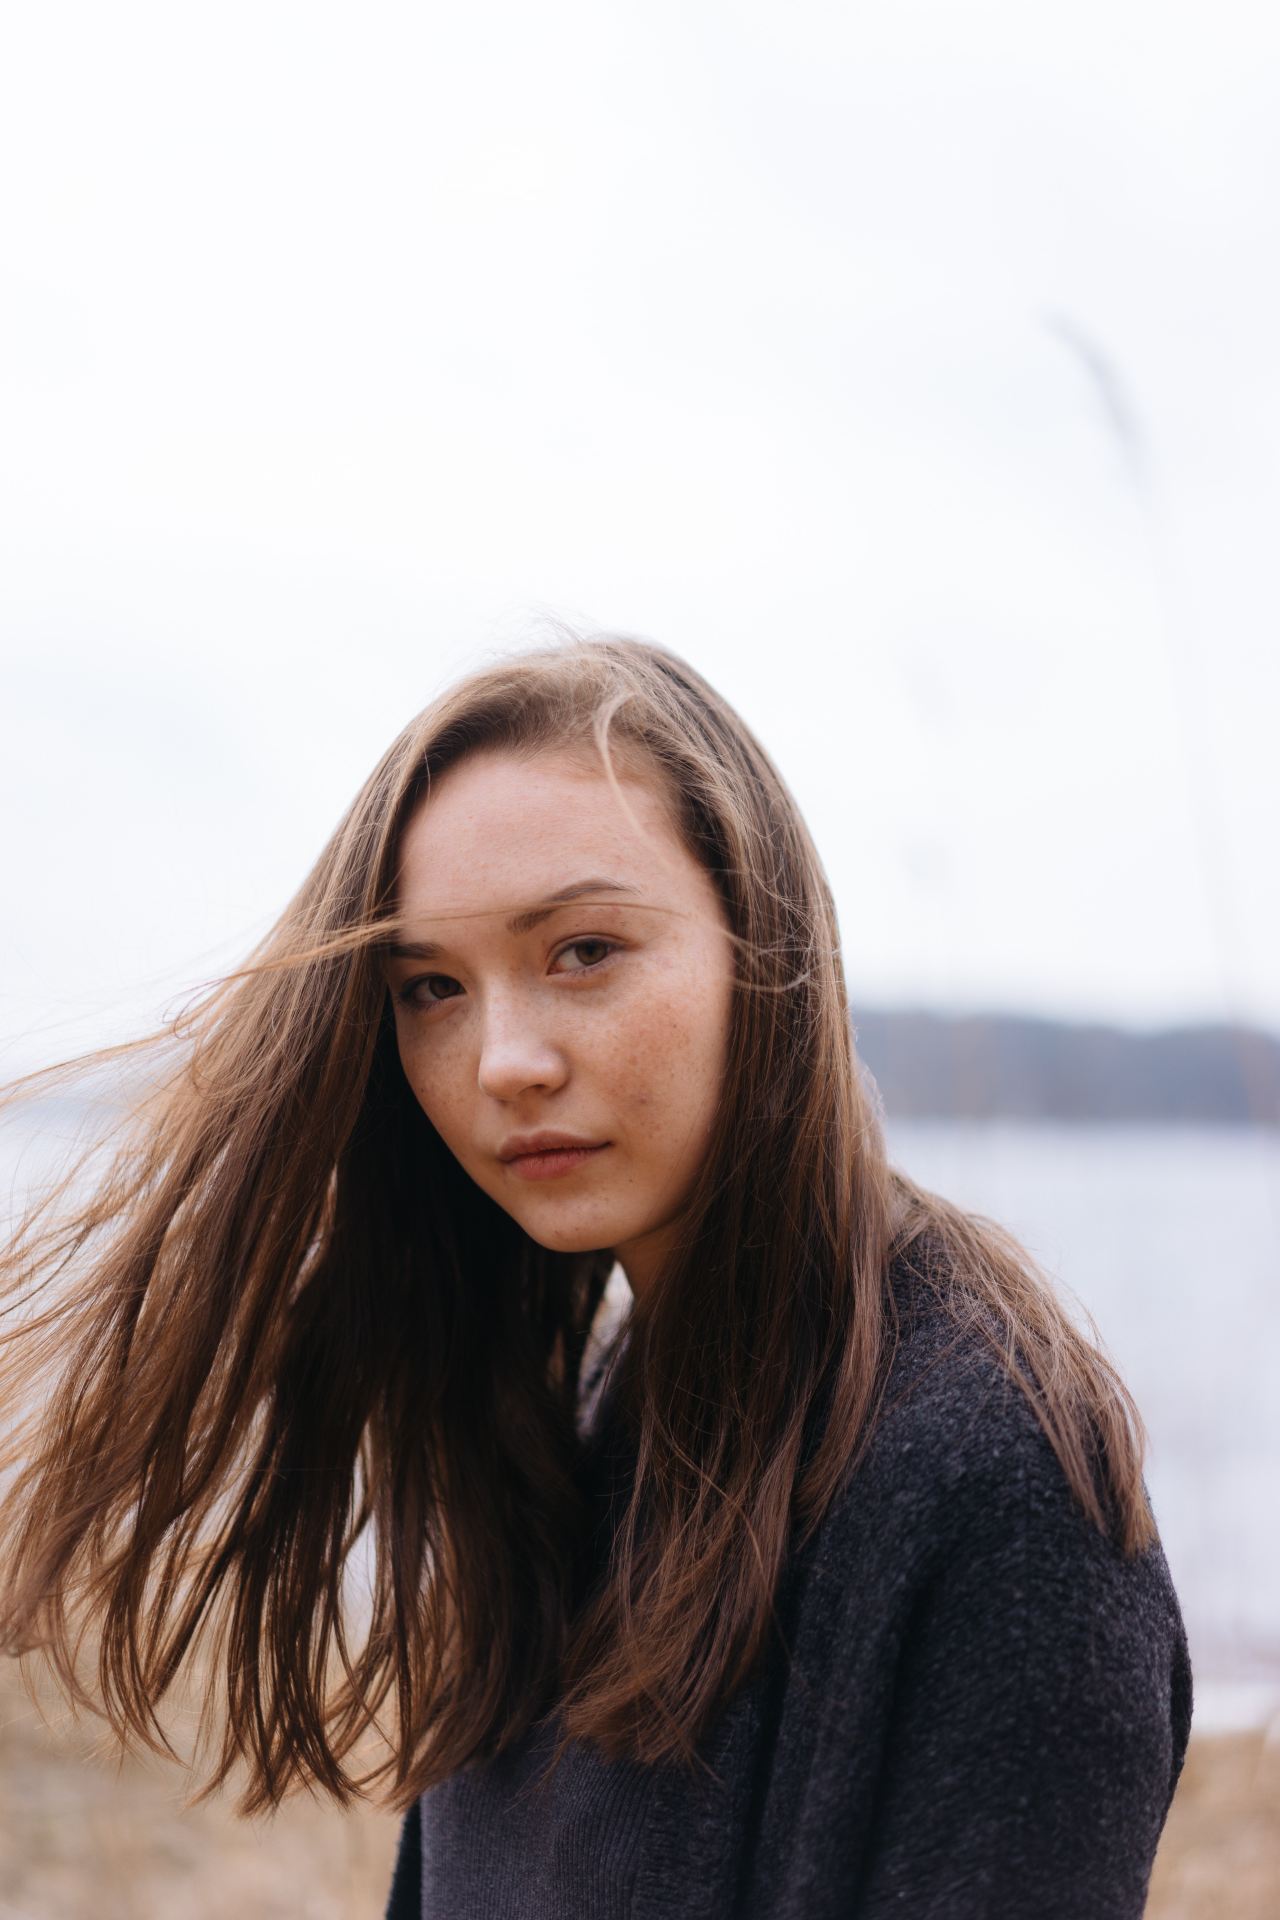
(408, 993)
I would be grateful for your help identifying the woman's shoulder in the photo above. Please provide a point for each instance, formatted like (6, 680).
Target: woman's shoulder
(952, 1419)
(960, 1460)
(1037, 1675)
(954, 1440)
(962, 1401)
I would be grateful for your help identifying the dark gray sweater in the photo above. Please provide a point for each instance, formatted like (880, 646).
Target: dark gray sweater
(984, 1714)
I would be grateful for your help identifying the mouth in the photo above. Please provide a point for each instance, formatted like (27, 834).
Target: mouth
(552, 1161)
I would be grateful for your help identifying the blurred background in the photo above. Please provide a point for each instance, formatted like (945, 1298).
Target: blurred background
(909, 368)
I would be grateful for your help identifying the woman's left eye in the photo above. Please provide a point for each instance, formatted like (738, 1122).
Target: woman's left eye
(576, 946)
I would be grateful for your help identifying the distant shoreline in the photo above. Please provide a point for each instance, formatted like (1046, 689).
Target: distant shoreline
(941, 1066)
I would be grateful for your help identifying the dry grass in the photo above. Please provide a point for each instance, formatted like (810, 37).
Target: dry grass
(1220, 1850)
(82, 1835)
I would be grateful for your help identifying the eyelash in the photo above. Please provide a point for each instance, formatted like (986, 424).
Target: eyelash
(405, 993)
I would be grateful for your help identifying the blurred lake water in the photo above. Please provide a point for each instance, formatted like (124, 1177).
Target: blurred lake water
(1169, 1237)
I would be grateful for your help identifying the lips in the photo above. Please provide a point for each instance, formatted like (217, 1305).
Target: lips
(546, 1141)
(548, 1162)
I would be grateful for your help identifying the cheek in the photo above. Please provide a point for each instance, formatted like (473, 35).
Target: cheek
(667, 1060)
(706, 1038)
(429, 1078)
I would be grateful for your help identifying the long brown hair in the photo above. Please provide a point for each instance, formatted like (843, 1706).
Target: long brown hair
(284, 1323)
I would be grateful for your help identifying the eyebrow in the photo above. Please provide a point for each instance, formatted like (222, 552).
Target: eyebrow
(524, 921)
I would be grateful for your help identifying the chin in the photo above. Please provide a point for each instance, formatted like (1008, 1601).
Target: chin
(568, 1241)
(587, 1237)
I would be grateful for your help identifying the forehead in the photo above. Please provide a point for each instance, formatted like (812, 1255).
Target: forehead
(497, 829)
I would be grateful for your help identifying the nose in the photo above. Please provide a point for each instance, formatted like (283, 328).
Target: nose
(517, 1053)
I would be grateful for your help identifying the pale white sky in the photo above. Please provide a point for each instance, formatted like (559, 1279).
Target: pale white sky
(909, 367)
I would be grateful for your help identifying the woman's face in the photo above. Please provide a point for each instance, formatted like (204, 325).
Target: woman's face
(604, 1018)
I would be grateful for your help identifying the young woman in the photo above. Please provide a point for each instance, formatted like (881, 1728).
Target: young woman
(830, 1586)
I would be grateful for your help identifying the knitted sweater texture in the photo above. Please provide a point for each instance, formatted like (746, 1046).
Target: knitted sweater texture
(978, 1709)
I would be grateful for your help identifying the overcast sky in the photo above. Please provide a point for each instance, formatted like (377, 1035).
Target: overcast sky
(910, 368)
